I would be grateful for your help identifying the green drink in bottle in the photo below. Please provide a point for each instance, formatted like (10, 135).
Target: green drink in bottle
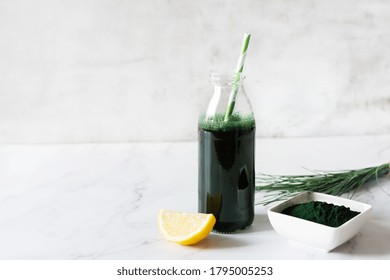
(226, 137)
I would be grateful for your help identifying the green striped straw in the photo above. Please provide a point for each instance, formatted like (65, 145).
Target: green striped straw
(239, 68)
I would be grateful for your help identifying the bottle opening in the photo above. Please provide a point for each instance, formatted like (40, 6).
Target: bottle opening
(226, 78)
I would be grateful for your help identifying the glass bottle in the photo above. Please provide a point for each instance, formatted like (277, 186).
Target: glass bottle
(226, 178)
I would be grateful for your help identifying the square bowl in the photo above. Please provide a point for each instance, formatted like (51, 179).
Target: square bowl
(313, 234)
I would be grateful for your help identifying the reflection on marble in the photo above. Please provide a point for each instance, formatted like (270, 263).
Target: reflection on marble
(100, 201)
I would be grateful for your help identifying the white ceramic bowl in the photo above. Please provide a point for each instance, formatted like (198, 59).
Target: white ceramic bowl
(316, 235)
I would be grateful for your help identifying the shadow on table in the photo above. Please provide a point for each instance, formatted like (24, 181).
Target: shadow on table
(260, 223)
(221, 241)
(373, 240)
(232, 240)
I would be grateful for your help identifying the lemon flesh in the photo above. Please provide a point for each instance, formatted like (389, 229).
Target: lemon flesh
(185, 228)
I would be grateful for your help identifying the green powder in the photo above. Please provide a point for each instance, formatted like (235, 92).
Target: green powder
(236, 122)
(321, 212)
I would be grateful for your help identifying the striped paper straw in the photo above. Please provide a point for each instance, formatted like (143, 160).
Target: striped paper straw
(239, 68)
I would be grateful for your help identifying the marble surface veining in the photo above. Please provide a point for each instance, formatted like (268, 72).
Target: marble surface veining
(100, 201)
(109, 71)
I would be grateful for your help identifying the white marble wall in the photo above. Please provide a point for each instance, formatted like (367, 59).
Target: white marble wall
(117, 70)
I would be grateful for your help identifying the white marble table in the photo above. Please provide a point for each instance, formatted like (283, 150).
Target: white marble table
(100, 201)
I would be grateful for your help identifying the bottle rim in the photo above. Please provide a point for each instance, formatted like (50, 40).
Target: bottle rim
(226, 78)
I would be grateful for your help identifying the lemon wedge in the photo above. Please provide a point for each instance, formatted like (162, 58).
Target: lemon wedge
(185, 228)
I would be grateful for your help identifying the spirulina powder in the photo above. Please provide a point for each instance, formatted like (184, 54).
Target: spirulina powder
(321, 212)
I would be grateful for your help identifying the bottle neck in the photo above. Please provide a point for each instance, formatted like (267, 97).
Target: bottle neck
(227, 80)
(228, 98)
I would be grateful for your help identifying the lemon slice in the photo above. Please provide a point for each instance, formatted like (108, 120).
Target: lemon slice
(185, 228)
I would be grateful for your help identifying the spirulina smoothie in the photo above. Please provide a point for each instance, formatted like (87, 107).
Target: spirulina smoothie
(226, 170)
